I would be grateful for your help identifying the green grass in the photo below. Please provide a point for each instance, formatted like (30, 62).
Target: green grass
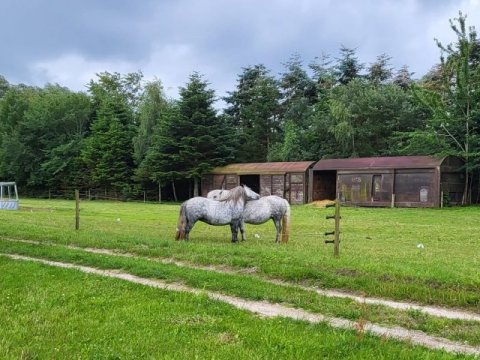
(51, 313)
(255, 288)
(379, 255)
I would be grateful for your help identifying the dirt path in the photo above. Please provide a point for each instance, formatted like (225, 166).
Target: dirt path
(273, 310)
(438, 311)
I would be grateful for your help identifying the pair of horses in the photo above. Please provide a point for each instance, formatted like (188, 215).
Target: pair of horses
(236, 207)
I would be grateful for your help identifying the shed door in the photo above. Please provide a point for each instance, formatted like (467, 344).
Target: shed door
(252, 181)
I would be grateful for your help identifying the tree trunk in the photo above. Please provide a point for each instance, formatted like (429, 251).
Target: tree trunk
(174, 191)
(195, 187)
(466, 190)
(159, 192)
(478, 189)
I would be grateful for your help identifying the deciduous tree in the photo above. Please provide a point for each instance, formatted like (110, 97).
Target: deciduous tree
(453, 99)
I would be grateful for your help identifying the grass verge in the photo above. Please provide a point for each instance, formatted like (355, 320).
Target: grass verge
(63, 314)
(252, 287)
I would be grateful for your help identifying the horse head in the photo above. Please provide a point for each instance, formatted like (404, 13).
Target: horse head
(250, 194)
(236, 194)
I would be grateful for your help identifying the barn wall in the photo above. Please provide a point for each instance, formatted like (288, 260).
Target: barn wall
(272, 185)
(297, 188)
(416, 188)
(206, 184)
(366, 188)
(412, 187)
(377, 186)
(291, 186)
(231, 181)
(218, 181)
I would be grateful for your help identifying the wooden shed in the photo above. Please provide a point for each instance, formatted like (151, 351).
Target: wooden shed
(286, 179)
(403, 181)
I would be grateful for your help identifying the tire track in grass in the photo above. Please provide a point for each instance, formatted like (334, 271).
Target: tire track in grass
(448, 313)
(267, 309)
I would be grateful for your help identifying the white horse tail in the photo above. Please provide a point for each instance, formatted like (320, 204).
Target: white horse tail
(182, 224)
(286, 223)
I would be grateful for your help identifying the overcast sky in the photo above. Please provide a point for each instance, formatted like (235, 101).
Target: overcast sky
(67, 42)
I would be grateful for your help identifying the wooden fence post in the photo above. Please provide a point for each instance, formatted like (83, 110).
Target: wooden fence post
(336, 232)
(336, 243)
(77, 210)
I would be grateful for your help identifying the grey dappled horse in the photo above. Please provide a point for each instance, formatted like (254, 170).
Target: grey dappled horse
(260, 211)
(229, 210)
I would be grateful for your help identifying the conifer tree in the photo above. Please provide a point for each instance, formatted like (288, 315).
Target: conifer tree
(108, 152)
(253, 109)
(191, 139)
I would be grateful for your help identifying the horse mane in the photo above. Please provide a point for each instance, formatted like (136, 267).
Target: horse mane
(234, 194)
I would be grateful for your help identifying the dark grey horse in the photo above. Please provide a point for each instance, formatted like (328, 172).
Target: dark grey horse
(229, 210)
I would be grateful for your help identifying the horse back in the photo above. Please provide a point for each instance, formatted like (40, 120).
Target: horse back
(211, 211)
(264, 209)
(278, 204)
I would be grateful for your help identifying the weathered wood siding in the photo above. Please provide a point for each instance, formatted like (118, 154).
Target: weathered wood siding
(403, 181)
(272, 185)
(291, 186)
(412, 187)
(215, 181)
(416, 188)
(297, 187)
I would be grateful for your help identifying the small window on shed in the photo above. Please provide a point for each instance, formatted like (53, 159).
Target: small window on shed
(424, 194)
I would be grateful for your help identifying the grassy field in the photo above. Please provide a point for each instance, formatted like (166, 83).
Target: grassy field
(379, 256)
(50, 313)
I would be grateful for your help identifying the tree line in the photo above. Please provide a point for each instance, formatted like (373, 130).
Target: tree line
(125, 135)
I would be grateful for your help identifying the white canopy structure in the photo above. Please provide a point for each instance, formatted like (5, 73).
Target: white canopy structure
(8, 196)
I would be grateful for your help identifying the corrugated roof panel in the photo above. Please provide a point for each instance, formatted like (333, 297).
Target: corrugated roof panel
(263, 168)
(390, 162)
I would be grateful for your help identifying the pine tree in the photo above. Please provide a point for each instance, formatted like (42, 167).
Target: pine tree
(191, 139)
(108, 152)
(348, 66)
(299, 95)
(403, 78)
(153, 105)
(205, 142)
(253, 109)
(380, 71)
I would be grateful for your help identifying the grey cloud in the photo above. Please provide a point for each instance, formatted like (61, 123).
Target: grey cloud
(216, 37)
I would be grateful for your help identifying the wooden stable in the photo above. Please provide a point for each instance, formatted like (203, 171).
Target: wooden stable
(286, 179)
(403, 181)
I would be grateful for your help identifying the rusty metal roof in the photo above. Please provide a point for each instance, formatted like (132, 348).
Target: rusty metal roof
(264, 168)
(391, 162)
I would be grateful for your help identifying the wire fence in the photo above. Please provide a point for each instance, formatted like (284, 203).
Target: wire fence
(143, 195)
(263, 233)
